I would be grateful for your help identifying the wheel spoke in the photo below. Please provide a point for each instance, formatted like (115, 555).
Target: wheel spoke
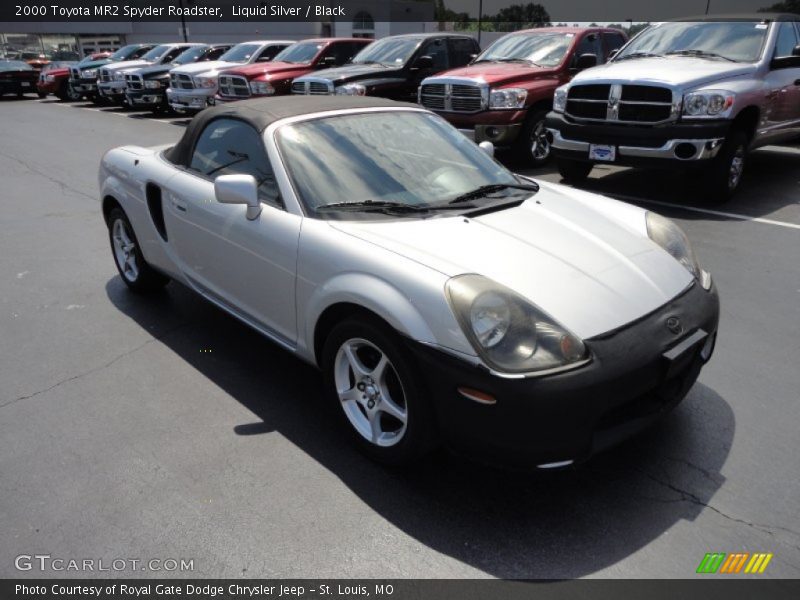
(379, 372)
(390, 407)
(375, 426)
(359, 370)
(351, 395)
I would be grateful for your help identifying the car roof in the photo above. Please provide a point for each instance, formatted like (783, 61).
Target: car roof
(565, 30)
(765, 16)
(265, 42)
(260, 113)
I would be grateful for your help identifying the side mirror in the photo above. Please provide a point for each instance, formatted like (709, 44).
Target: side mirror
(586, 61)
(488, 148)
(424, 62)
(613, 53)
(238, 189)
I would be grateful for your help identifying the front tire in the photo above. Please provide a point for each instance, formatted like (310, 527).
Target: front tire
(137, 274)
(574, 171)
(381, 398)
(42, 95)
(532, 145)
(727, 167)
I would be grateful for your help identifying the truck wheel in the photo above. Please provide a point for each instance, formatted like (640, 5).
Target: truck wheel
(69, 94)
(727, 167)
(532, 144)
(369, 374)
(137, 274)
(41, 95)
(574, 170)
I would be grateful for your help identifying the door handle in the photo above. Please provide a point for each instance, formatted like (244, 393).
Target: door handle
(178, 205)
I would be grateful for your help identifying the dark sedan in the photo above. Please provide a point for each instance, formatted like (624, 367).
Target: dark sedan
(17, 77)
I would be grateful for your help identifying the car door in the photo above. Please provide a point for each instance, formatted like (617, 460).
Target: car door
(782, 89)
(247, 266)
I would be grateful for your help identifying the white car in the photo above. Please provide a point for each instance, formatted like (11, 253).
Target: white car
(192, 87)
(444, 298)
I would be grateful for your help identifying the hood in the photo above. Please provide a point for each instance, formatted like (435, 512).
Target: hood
(671, 70)
(127, 64)
(94, 64)
(357, 72)
(269, 68)
(565, 253)
(498, 73)
(204, 67)
(150, 71)
(57, 72)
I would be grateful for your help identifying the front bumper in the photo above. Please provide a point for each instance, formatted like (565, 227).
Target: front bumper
(16, 87)
(680, 144)
(84, 86)
(113, 90)
(48, 87)
(145, 97)
(501, 127)
(636, 375)
(189, 100)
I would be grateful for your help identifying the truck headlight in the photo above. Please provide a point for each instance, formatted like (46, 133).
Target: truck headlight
(351, 89)
(708, 104)
(262, 88)
(670, 237)
(205, 82)
(152, 84)
(509, 333)
(89, 74)
(507, 98)
(560, 99)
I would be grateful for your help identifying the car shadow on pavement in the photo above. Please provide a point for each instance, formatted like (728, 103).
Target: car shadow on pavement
(511, 525)
(769, 184)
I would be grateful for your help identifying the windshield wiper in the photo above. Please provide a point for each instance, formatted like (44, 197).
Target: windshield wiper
(700, 53)
(524, 60)
(384, 206)
(638, 55)
(370, 62)
(485, 190)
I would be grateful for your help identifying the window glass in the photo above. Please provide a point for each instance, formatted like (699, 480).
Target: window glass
(230, 147)
(240, 53)
(388, 51)
(437, 50)
(190, 55)
(590, 44)
(461, 51)
(270, 52)
(614, 41)
(546, 49)
(173, 54)
(215, 53)
(300, 53)
(787, 40)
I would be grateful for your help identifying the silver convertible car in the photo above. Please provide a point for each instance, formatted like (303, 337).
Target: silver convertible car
(445, 299)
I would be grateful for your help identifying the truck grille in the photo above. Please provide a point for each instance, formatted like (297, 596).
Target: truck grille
(134, 82)
(624, 103)
(452, 97)
(105, 75)
(181, 82)
(314, 88)
(234, 86)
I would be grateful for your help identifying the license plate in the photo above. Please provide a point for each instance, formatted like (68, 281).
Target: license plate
(602, 152)
(26, 84)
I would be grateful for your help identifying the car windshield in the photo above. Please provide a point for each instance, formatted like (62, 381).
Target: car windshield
(14, 65)
(410, 159)
(240, 53)
(388, 51)
(123, 53)
(545, 49)
(740, 41)
(156, 53)
(302, 53)
(191, 55)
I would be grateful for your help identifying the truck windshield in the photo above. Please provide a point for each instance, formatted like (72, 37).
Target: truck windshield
(410, 159)
(240, 53)
(544, 49)
(302, 53)
(389, 51)
(156, 53)
(123, 53)
(191, 55)
(741, 41)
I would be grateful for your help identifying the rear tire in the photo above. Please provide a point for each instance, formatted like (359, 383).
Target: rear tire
(532, 145)
(384, 409)
(574, 171)
(137, 274)
(42, 95)
(725, 173)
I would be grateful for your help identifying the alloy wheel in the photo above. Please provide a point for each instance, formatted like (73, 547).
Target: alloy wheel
(540, 147)
(125, 250)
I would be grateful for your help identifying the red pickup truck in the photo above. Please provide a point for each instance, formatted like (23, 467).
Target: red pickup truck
(504, 95)
(275, 78)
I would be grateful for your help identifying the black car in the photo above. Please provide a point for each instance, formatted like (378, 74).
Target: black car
(17, 77)
(392, 67)
(147, 86)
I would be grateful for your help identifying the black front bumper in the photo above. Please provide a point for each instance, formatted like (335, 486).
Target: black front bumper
(645, 139)
(85, 87)
(17, 87)
(147, 97)
(631, 381)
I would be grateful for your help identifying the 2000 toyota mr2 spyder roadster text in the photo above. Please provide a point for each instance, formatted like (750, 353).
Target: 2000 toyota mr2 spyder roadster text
(444, 298)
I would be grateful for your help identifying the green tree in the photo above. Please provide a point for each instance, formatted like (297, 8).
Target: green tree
(788, 6)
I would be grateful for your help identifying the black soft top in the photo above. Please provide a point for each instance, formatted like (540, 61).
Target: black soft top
(262, 112)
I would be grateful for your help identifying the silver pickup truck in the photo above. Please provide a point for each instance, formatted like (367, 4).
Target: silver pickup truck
(690, 94)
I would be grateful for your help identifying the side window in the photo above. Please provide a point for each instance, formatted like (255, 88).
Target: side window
(787, 40)
(590, 44)
(461, 51)
(230, 147)
(173, 54)
(269, 53)
(437, 50)
(340, 51)
(139, 52)
(215, 53)
(613, 41)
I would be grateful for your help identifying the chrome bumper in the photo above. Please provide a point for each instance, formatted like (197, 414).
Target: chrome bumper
(704, 148)
(188, 99)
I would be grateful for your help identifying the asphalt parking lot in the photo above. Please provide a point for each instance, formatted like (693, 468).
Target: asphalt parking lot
(162, 428)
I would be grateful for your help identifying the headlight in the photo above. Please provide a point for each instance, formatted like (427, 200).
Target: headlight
(560, 99)
(262, 88)
(509, 333)
(351, 89)
(205, 82)
(708, 104)
(89, 74)
(152, 84)
(671, 238)
(119, 76)
(507, 98)
(49, 78)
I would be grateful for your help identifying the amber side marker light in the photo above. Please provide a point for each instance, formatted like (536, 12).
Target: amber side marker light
(477, 396)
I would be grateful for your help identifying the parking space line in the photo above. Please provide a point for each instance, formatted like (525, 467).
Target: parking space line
(719, 213)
